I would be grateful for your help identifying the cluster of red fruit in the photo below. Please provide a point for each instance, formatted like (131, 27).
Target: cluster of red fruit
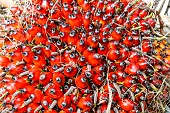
(68, 56)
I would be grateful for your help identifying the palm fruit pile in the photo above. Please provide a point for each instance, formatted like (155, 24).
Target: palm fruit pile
(82, 56)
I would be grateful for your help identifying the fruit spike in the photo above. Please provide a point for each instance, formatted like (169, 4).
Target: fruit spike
(71, 56)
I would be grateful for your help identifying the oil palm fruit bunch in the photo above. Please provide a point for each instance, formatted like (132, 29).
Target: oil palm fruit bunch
(82, 56)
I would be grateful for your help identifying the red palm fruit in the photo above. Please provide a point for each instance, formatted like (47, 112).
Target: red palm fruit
(113, 54)
(144, 25)
(64, 27)
(49, 49)
(99, 4)
(18, 49)
(70, 71)
(37, 1)
(92, 41)
(27, 56)
(86, 20)
(104, 30)
(53, 5)
(85, 6)
(50, 111)
(141, 78)
(81, 61)
(2, 40)
(134, 88)
(128, 41)
(45, 4)
(4, 61)
(74, 21)
(129, 81)
(56, 60)
(133, 56)
(31, 107)
(88, 51)
(110, 8)
(106, 88)
(94, 59)
(62, 111)
(120, 75)
(45, 78)
(122, 111)
(112, 76)
(34, 73)
(55, 14)
(103, 96)
(58, 79)
(39, 61)
(67, 1)
(71, 109)
(97, 16)
(116, 34)
(22, 81)
(124, 52)
(64, 102)
(39, 51)
(41, 20)
(102, 50)
(132, 69)
(51, 27)
(15, 55)
(11, 87)
(85, 103)
(71, 57)
(81, 81)
(66, 87)
(59, 44)
(103, 39)
(151, 21)
(17, 35)
(81, 45)
(45, 29)
(140, 96)
(15, 10)
(142, 63)
(86, 90)
(103, 108)
(127, 24)
(72, 38)
(75, 98)
(98, 79)
(27, 90)
(126, 104)
(46, 102)
(99, 68)
(146, 46)
(26, 48)
(37, 95)
(112, 67)
(15, 69)
(33, 30)
(117, 97)
(18, 103)
(54, 92)
(120, 18)
(143, 13)
(40, 38)
(80, 2)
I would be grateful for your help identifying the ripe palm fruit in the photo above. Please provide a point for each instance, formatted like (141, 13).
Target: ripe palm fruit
(68, 56)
